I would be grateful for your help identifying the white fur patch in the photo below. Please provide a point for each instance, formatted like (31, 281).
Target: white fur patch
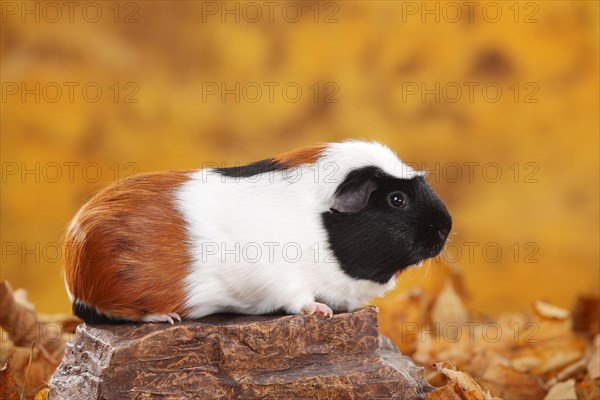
(258, 243)
(341, 158)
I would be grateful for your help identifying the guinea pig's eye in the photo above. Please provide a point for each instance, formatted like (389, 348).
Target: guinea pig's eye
(397, 200)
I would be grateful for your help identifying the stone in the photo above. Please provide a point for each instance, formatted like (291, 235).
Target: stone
(234, 356)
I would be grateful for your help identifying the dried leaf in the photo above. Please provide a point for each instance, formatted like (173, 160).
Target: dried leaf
(525, 363)
(7, 347)
(33, 367)
(593, 366)
(21, 323)
(449, 308)
(558, 359)
(21, 297)
(448, 392)
(508, 383)
(547, 310)
(588, 389)
(586, 315)
(35, 347)
(42, 394)
(465, 387)
(569, 371)
(562, 391)
(8, 387)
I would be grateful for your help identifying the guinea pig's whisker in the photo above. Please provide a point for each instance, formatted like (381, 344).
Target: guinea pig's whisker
(426, 272)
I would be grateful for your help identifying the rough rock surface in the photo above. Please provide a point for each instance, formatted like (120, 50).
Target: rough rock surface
(230, 356)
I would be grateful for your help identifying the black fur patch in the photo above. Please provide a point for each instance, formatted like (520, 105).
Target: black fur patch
(379, 240)
(255, 168)
(93, 317)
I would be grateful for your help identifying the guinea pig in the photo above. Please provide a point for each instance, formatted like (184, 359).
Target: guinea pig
(310, 231)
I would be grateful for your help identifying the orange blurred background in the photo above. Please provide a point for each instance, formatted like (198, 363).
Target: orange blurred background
(498, 99)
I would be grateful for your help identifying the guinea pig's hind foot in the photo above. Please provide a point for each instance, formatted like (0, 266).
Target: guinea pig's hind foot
(315, 308)
(170, 318)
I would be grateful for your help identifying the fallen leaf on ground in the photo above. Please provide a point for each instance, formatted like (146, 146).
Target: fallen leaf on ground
(461, 385)
(562, 391)
(8, 387)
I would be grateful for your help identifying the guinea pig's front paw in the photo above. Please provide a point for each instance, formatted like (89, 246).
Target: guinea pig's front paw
(170, 318)
(315, 308)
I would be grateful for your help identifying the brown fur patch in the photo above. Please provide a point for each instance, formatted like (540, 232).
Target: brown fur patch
(305, 155)
(125, 251)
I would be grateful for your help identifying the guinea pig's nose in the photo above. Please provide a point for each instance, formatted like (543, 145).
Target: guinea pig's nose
(444, 228)
(443, 234)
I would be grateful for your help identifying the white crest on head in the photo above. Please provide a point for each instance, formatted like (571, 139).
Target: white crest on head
(339, 159)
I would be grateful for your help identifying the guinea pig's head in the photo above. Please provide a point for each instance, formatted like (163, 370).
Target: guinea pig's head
(380, 224)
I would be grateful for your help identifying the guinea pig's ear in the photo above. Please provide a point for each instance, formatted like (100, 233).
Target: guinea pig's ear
(353, 194)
